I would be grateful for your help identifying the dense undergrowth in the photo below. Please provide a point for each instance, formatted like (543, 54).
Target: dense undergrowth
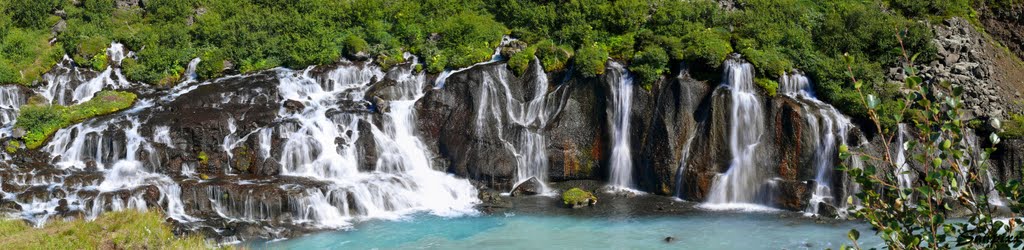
(40, 120)
(113, 230)
(649, 35)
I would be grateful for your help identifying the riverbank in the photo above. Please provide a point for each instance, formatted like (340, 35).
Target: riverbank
(128, 229)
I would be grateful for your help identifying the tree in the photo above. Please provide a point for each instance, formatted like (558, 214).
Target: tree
(913, 215)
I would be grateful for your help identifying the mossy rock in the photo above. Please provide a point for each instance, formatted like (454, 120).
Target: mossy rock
(577, 198)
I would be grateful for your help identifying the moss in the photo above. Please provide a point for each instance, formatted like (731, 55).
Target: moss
(769, 86)
(576, 196)
(41, 120)
(12, 146)
(1013, 127)
(203, 158)
(121, 230)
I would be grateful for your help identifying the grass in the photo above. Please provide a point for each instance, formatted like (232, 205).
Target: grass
(114, 230)
(40, 121)
(1013, 127)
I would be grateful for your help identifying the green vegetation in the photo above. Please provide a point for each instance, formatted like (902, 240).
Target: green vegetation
(647, 35)
(114, 230)
(947, 170)
(1014, 127)
(590, 60)
(41, 120)
(12, 146)
(769, 86)
(203, 158)
(576, 196)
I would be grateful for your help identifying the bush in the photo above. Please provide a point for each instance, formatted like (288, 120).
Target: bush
(41, 120)
(353, 45)
(553, 57)
(649, 64)
(519, 62)
(769, 86)
(590, 60)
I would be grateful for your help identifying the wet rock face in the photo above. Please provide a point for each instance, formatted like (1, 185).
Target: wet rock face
(199, 121)
(1008, 160)
(665, 125)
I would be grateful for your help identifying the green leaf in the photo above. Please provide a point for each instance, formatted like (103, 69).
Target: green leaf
(873, 101)
(843, 148)
(853, 234)
(946, 144)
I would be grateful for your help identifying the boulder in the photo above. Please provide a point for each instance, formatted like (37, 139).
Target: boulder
(531, 186)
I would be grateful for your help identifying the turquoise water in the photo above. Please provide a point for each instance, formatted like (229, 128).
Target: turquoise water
(715, 231)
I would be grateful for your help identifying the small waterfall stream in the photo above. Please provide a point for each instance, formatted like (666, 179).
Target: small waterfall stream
(828, 127)
(618, 119)
(739, 185)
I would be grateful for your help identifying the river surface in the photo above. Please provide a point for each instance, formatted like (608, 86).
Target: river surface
(510, 231)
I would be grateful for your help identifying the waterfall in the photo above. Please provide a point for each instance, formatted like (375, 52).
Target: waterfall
(528, 117)
(618, 120)
(67, 84)
(495, 57)
(739, 185)
(828, 127)
(11, 99)
(902, 170)
(402, 180)
(795, 83)
(974, 157)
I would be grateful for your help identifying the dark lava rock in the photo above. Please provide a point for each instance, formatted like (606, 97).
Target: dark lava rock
(531, 186)
(294, 106)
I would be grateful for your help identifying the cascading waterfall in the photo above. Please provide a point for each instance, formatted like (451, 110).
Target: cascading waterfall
(11, 99)
(829, 129)
(530, 117)
(402, 181)
(68, 84)
(902, 173)
(618, 119)
(739, 185)
(974, 156)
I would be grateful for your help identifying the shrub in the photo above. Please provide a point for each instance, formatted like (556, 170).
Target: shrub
(553, 57)
(769, 86)
(353, 46)
(947, 169)
(590, 60)
(649, 64)
(1013, 127)
(519, 62)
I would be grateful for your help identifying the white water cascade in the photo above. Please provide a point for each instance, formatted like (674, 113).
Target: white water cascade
(738, 186)
(528, 116)
(828, 127)
(11, 99)
(902, 170)
(67, 84)
(618, 119)
(402, 180)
